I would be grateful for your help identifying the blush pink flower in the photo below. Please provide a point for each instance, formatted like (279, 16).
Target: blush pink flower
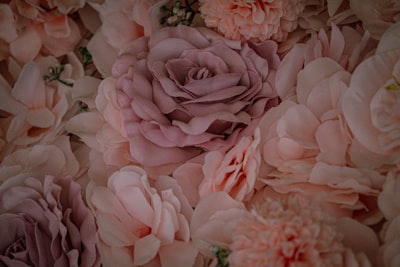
(121, 23)
(346, 46)
(306, 145)
(37, 108)
(46, 223)
(294, 232)
(255, 20)
(140, 224)
(376, 15)
(185, 90)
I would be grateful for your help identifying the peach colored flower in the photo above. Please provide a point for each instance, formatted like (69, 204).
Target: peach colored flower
(305, 145)
(371, 107)
(122, 22)
(44, 222)
(255, 20)
(38, 109)
(293, 231)
(345, 45)
(376, 15)
(140, 224)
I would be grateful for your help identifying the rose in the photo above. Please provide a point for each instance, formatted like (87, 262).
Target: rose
(187, 89)
(45, 223)
(140, 224)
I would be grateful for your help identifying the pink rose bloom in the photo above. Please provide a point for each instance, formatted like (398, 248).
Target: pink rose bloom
(56, 159)
(140, 224)
(121, 23)
(185, 90)
(254, 20)
(376, 15)
(46, 223)
(345, 45)
(305, 145)
(37, 108)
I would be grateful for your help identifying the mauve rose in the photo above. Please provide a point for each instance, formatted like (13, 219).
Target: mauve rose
(186, 89)
(45, 223)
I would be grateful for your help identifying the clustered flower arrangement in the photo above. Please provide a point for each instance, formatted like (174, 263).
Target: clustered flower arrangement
(200, 133)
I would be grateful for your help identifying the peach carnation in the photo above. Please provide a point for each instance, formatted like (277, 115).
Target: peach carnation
(257, 20)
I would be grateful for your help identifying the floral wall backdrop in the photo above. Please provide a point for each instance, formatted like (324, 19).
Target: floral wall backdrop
(178, 133)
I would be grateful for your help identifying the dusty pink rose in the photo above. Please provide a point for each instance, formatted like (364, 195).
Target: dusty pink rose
(345, 45)
(376, 15)
(38, 108)
(255, 20)
(121, 23)
(186, 89)
(305, 145)
(389, 251)
(371, 107)
(140, 224)
(46, 223)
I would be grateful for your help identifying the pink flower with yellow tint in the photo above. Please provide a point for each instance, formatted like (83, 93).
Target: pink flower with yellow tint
(256, 20)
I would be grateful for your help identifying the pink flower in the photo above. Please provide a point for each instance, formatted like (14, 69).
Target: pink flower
(377, 15)
(280, 231)
(140, 224)
(346, 46)
(37, 107)
(371, 106)
(255, 20)
(389, 255)
(46, 223)
(122, 22)
(305, 145)
(169, 115)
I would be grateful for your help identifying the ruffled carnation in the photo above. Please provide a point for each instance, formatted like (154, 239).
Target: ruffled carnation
(185, 90)
(46, 223)
(140, 224)
(255, 20)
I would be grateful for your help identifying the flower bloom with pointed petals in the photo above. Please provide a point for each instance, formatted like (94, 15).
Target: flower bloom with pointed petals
(256, 20)
(44, 222)
(185, 90)
(140, 224)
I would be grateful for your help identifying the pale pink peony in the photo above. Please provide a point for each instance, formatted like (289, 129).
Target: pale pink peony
(121, 23)
(140, 224)
(38, 109)
(168, 112)
(376, 15)
(305, 145)
(256, 20)
(371, 107)
(46, 223)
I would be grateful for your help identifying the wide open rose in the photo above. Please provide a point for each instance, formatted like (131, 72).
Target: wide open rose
(186, 89)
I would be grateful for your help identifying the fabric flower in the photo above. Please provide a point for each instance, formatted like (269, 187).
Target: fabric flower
(140, 224)
(46, 223)
(305, 145)
(280, 231)
(346, 46)
(121, 23)
(377, 15)
(185, 89)
(254, 20)
(38, 108)
(371, 107)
